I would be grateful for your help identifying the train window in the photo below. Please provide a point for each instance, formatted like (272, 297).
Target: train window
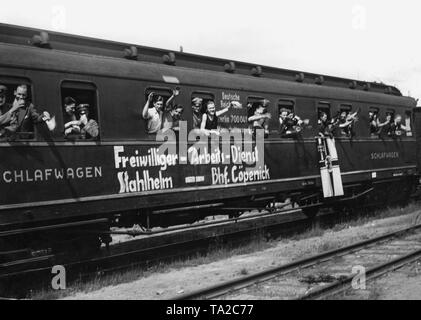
(345, 108)
(385, 124)
(80, 110)
(159, 96)
(253, 103)
(345, 121)
(286, 123)
(258, 114)
(9, 129)
(373, 115)
(199, 100)
(323, 117)
(323, 108)
(407, 122)
(159, 93)
(11, 83)
(286, 104)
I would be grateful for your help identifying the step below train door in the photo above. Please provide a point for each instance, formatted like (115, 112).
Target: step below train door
(330, 172)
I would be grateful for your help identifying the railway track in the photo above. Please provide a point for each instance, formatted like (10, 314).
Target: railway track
(23, 274)
(19, 276)
(323, 275)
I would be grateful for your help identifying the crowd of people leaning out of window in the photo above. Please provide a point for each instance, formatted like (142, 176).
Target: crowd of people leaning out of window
(20, 115)
(163, 115)
(345, 121)
(17, 118)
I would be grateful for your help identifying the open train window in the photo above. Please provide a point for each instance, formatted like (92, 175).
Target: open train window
(323, 108)
(80, 110)
(347, 108)
(407, 122)
(254, 102)
(323, 116)
(9, 131)
(158, 94)
(285, 123)
(344, 121)
(199, 101)
(287, 105)
(373, 116)
(11, 83)
(160, 97)
(390, 112)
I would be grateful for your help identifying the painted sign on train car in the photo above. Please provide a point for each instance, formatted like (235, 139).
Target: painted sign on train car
(41, 174)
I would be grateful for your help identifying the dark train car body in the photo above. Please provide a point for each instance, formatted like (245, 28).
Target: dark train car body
(49, 179)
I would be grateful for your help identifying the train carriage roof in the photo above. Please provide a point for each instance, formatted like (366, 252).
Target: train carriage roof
(71, 63)
(140, 54)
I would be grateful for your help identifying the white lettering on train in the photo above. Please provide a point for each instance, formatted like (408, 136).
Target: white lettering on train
(43, 175)
(152, 159)
(239, 174)
(384, 155)
(134, 181)
(143, 183)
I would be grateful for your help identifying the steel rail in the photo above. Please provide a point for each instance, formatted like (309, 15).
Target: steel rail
(247, 281)
(343, 285)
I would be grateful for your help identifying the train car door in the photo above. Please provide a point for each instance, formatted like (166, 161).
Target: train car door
(330, 171)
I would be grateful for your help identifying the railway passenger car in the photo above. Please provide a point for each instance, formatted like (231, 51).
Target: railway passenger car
(51, 185)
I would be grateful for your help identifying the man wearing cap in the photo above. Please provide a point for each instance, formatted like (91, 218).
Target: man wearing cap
(24, 118)
(197, 112)
(89, 128)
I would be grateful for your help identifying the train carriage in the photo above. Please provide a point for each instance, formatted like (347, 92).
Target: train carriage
(48, 181)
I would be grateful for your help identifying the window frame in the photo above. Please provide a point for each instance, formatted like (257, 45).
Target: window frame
(375, 110)
(347, 107)
(15, 81)
(203, 95)
(294, 103)
(158, 90)
(411, 115)
(319, 107)
(81, 85)
(253, 100)
(278, 113)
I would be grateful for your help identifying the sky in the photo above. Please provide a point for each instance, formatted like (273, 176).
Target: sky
(368, 40)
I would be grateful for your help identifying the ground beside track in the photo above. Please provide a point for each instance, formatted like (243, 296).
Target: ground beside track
(196, 273)
(402, 284)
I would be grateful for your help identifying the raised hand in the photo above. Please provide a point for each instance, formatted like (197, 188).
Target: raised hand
(46, 116)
